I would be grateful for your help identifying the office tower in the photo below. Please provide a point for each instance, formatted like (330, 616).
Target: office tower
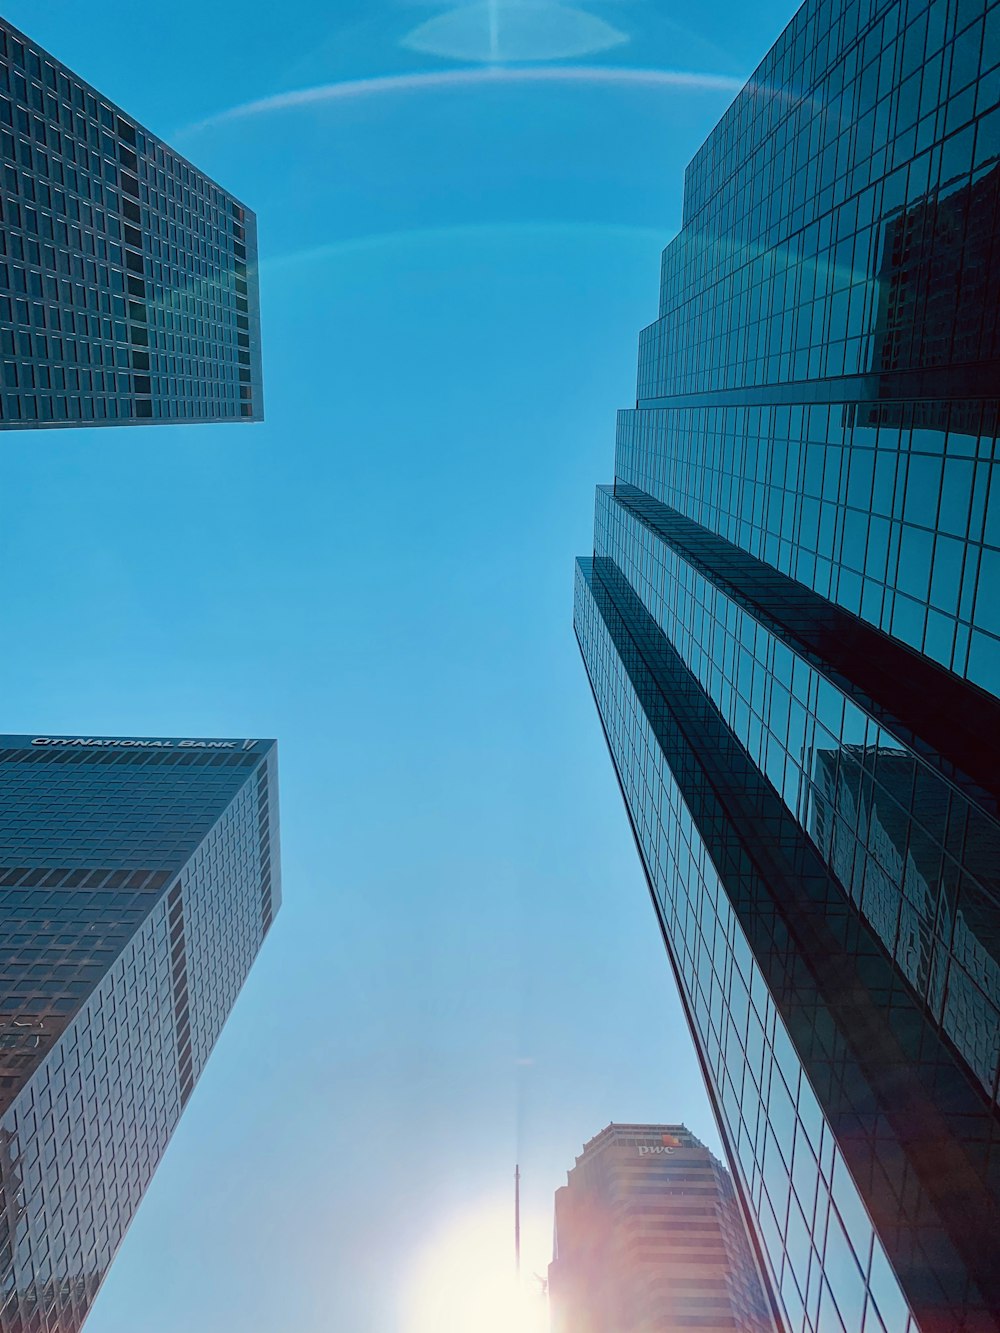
(649, 1239)
(128, 279)
(791, 625)
(138, 879)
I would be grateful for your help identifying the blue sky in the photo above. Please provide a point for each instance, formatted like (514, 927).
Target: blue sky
(466, 968)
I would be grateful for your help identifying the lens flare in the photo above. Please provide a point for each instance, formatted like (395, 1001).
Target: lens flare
(476, 76)
(515, 30)
(463, 1281)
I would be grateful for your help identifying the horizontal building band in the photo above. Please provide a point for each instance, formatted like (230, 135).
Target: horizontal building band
(975, 381)
(952, 724)
(918, 858)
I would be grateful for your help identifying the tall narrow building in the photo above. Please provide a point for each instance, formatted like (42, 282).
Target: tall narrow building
(138, 878)
(128, 278)
(649, 1239)
(791, 625)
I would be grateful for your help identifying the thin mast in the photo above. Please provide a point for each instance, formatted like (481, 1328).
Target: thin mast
(517, 1221)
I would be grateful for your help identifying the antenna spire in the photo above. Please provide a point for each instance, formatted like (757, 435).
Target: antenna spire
(517, 1221)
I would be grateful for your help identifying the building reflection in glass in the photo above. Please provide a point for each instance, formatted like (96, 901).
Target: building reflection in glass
(935, 916)
(939, 313)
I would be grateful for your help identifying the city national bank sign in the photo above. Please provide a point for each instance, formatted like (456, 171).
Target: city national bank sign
(116, 743)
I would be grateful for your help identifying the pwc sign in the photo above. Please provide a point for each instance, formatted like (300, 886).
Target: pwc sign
(667, 1144)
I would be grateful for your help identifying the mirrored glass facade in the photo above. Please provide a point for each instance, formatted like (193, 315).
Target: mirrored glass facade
(138, 879)
(649, 1239)
(789, 622)
(128, 278)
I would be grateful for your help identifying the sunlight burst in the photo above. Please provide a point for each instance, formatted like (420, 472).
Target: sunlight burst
(464, 1281)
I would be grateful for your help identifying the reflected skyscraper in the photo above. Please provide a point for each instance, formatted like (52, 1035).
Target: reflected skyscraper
(138, 879)
(128, 278)
(907, 895)
(791, 624)
(649, 1239)
(939, 306)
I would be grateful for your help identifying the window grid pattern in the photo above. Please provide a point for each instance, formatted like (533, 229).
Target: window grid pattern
(858, 114)
(920, 862)
(116, 981)
(899, 525)
(129, 815)
(222, 917)
(128, 288)
(820, 392)
(84, 1137)
(825, 1262)
(830, 322)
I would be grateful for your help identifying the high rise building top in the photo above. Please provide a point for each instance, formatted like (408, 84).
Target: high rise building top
(138, 878)
(649, 1239)
(128, 283)
(790, 624)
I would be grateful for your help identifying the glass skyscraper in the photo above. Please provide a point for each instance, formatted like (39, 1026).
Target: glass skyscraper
(791, 625)
(138, 879)
(649, 1239)
(128, 279)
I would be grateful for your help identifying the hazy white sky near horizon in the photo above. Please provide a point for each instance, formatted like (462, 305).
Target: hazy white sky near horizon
(466, 970)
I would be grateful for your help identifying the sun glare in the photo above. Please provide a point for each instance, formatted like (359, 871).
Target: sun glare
(464, 1281)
